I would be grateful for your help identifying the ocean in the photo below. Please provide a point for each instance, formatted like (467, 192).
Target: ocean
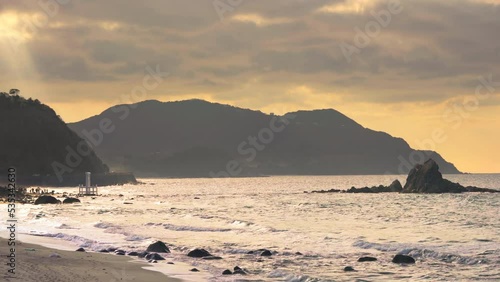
(313, 237)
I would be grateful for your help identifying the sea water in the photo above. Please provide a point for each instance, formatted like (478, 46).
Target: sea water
(313, 236)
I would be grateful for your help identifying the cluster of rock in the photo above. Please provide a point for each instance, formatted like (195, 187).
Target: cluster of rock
(46, 199)
(399, 259)
(152, 255)
(423, 178)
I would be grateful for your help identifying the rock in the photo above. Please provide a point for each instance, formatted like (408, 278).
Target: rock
(158, 247)
(120, 252)
(111, 249)
(227, 272)
(326, 191)
(426, 178)
(194, 270)
(212, 258)
(80, 250)
(71, 201)
(360, 190)
(239, 270)
(103, 251)
(46, 200)
(250, 252)
(142, 254)
(481, 190)
(299, 254)
(133, 254)
(199, 253)
(266, 253)
(349, 268)
(396, 186)
(403, 259)
(363, 259)
(170, 262)
(154, 256)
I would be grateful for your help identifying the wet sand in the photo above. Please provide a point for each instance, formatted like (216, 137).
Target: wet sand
(34, 263)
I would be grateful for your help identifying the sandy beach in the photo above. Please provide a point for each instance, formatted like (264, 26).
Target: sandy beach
(39, 264)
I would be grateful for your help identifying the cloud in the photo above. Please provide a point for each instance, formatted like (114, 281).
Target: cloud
(433, 45)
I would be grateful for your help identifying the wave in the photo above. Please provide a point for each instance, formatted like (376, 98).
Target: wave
(80, 241)
(422, 253)
(194, 228)
(285, 276)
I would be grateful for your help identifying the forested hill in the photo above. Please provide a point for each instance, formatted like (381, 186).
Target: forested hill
(33, 137)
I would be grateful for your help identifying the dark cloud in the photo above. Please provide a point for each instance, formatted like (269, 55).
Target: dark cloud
(426, 45)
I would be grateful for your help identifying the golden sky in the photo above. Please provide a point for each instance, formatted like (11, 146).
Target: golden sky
(409, 68)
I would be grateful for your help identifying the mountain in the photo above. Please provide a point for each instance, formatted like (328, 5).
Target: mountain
(195, 138)
(40, 145)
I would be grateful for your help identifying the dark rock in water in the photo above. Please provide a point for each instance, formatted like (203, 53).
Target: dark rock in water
(112, 249)
(482, 190)
(133, 254)
(120, 252)
(46, 200)
(142, 254)
(299, 254)
(426, 178)
(170, 262)
(80, 250)
(103, 251)
(154, 256)
(227, 272)
(71, 201)
(194, 270)
(239, 270)
(363, 259)
(212, 258)
(396, 186)
(349, 268)
(266, 253)
(403, 259)
(199, 253)
(250, 252)
(360, 190)
(326, 191)
(158, 247)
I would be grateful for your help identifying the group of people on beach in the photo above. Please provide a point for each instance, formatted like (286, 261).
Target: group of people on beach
(39, 190)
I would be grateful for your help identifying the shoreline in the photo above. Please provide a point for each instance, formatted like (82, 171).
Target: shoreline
(34, 263)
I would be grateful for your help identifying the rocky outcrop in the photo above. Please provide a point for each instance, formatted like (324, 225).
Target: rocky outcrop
(158, 247)
(394, 187)
(426, 178)
(403, 259)
(71, 201)
(423, 178)
(46, 200)
(199, 253)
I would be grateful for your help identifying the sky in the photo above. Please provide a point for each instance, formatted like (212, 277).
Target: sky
(427, 71)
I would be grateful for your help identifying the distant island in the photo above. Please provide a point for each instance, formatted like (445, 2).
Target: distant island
(45, 152)
(195, 138)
